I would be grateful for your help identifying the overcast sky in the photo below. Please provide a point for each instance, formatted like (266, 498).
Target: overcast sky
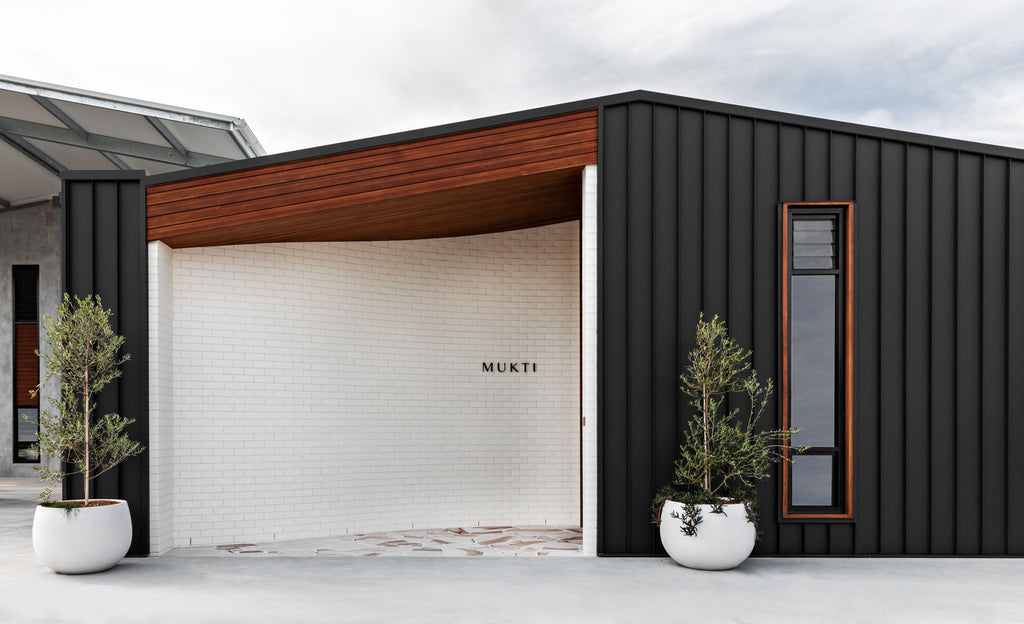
(306, 73)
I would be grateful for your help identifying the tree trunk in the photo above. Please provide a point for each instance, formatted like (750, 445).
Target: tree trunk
(85, 404)
(707, 442)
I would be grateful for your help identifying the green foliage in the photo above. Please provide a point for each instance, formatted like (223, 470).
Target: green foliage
(83, 355)
(725, 452)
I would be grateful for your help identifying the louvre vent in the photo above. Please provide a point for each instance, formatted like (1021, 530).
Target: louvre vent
(814, 243)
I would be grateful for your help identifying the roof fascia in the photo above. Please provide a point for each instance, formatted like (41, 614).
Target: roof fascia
(627, 97)
(386, 139)
(900, 136)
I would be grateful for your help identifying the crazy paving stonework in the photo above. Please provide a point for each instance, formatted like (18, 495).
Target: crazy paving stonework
(496, 541)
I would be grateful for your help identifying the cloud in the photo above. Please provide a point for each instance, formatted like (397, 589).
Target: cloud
(307, 73)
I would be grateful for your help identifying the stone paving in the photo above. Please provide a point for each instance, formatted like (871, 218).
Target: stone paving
(491, 541)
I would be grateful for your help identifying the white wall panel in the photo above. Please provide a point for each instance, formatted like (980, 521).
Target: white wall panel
(331, 388)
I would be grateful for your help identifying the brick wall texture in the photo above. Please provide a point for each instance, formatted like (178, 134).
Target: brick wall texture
(333, 388)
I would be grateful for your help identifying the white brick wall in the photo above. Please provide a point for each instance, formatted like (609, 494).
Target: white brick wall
(325, 388)
(161, 404)
(588, 253)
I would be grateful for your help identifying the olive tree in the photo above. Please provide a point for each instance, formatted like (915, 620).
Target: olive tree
(84, 355)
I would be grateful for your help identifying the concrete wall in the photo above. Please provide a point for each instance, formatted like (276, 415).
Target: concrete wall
(27, 236)
(328, 388)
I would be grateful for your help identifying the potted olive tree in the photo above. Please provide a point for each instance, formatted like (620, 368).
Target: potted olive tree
(708, 513)
(88, 535)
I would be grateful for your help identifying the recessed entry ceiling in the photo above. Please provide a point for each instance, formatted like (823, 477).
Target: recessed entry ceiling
(490, 178)
(46, 129)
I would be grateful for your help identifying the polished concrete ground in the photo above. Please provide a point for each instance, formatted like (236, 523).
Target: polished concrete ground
(480, 589)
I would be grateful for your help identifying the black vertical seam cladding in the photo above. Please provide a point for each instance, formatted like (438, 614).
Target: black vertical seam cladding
(880, 207)
(1006, 361)
(929, 450)
(945, 305)
(728, 223)
(980, 337)
(625, 277)
(956, 350)
(906, 337)
(679, 240)
(783, 230)
(601, 412)
(652, 208)
(703, 208)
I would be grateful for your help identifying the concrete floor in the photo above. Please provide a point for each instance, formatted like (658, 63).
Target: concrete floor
(479, 589)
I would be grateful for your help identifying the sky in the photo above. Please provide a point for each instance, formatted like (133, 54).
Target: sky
(305, 73)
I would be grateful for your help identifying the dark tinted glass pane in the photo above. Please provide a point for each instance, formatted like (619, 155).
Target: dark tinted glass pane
(805, 224)
(812, 480)
(28, 433)
(814, 263)
(26, 294)
(810, 237)
(28, 424)
(812, 359)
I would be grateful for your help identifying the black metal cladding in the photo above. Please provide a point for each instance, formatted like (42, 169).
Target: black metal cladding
(688, 222)
(104, 239)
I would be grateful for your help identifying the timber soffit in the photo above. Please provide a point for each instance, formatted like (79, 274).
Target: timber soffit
(492, 178)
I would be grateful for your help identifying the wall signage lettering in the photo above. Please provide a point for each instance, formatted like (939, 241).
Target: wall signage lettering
(509, 367)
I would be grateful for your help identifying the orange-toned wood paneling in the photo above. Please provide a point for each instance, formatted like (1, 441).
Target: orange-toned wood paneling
(26, 364)
(492, 179)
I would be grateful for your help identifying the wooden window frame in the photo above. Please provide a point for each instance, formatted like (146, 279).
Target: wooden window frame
(844, 220)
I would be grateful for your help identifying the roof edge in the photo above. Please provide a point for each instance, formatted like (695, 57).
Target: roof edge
(384, 139)
(849, 127)
(626, 97)
(236, 126)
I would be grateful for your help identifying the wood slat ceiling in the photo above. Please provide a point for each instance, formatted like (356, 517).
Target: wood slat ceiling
(507, 177)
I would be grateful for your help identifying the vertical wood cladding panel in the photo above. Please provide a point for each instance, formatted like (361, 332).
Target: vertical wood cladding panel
(105, 254)
(26, 364)
(938, 311)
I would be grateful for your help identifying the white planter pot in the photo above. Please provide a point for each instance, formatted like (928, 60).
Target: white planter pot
(84, 539)
(722, 540)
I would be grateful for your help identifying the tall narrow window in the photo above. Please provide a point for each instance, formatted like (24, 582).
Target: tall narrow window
(26, 364)
(817, 362)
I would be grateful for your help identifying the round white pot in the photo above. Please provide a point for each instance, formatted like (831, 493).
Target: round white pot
(84, 539)
(722, 540)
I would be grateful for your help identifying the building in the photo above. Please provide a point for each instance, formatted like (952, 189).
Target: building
(484, 323)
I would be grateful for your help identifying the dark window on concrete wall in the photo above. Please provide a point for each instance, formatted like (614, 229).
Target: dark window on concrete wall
(817, 358)
(26, 363)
